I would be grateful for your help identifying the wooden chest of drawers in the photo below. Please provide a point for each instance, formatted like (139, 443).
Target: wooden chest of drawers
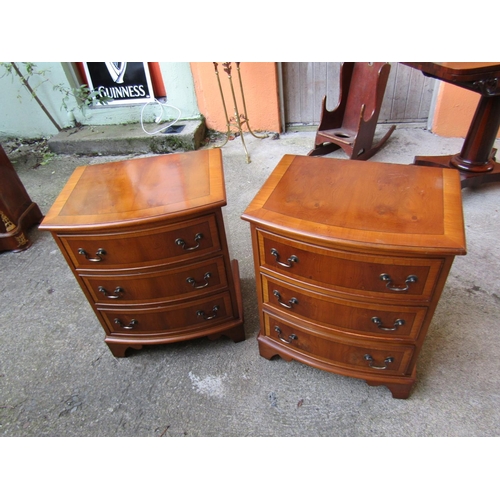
(145, 239)
(351, 258)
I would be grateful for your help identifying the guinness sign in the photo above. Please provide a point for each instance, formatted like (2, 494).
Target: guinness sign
(121, 82)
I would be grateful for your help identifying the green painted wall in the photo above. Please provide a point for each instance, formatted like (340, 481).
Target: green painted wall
(22, 117)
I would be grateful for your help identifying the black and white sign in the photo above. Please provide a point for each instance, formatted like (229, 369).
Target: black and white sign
(121, 82)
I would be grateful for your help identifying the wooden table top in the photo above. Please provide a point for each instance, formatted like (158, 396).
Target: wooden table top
(456, 72)
(141, 189)
(363, 205)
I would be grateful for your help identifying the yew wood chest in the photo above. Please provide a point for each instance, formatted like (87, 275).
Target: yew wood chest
(351, 258)
(145, 239)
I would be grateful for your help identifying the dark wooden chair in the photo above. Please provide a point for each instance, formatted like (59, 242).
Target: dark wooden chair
(351, 126)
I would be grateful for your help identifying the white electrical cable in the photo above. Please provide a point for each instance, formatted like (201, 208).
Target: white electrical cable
(158, 118)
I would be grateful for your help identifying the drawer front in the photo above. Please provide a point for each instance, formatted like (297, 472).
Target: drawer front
(172, 243)
(191, 315)
(365, 275)
(363, 318)
(171, 284)
(344, 352)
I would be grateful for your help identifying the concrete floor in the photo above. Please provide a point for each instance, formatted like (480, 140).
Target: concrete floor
(58, 378)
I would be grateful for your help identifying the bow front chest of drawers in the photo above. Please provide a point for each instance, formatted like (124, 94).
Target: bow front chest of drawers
(351, 258)
(145, 239)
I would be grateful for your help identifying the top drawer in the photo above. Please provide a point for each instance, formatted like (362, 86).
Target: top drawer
(174, 242)
(364, 275)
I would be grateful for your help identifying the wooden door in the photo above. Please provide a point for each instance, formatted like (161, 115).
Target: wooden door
(407, 97)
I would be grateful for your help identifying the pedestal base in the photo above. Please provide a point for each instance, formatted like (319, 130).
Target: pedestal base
(468, 178)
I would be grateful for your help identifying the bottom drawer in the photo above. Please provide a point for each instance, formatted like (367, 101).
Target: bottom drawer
(340, 351)
(170, 319)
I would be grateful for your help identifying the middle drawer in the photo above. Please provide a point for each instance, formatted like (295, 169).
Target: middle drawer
(363, 318)
(145, 288)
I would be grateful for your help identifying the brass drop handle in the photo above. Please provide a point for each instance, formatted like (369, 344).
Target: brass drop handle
(182, 243)
(205, 317)
(410, 279)
(130, 326)
(291, 337)
(397, 324)
(371, 365)
(192, 281)
(118, 290)
(100, 252)
(290, 304)
(291, 260)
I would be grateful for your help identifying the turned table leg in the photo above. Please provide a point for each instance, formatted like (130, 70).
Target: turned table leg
(476, 161)
(477, 152)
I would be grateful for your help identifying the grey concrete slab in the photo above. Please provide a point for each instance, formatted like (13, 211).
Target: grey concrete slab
(131, 138)
(58, 378)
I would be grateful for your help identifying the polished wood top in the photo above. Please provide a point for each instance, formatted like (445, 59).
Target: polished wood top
(458, 72)
(139, 190)
(363, 205)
